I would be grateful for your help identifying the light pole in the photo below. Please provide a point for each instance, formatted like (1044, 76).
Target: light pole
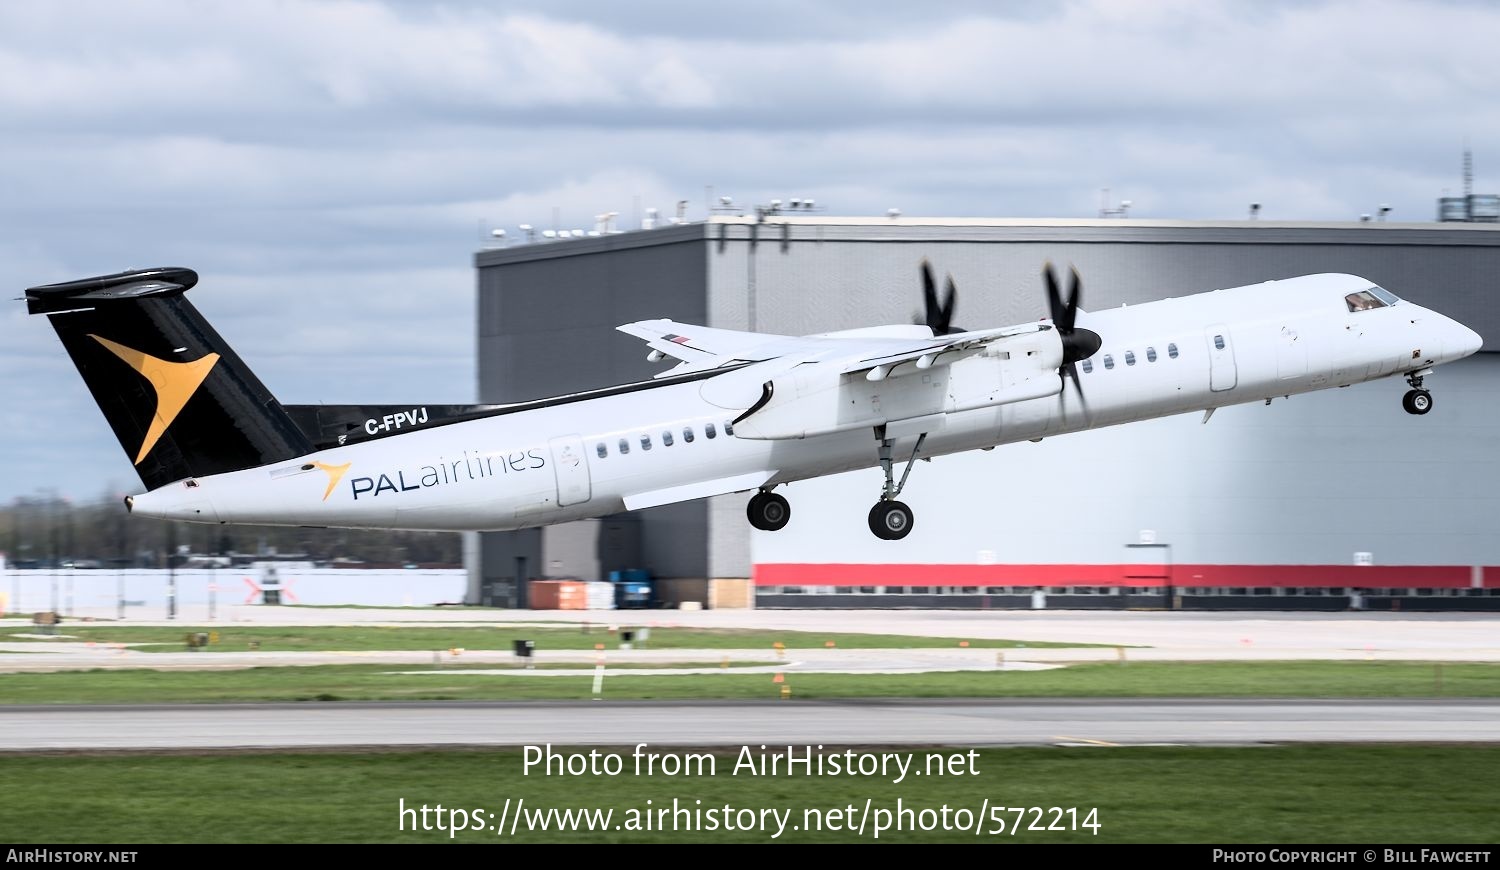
(52, 540)
(171, 570)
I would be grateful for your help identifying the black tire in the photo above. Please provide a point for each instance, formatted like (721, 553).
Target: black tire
(1417, 402)
(768, 511)
(891, 520)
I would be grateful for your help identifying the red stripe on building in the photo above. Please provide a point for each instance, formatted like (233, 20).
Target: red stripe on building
(1139, 576)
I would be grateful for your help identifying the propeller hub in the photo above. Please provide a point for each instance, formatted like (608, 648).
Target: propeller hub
(1080, 344)
(1077, 343)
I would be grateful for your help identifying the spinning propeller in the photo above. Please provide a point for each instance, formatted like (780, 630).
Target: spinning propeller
(1077, 343)
(939, 314)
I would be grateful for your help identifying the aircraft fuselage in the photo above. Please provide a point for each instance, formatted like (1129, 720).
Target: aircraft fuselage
(669, 443)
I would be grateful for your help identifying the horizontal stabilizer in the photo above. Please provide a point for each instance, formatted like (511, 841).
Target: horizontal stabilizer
(87, 292)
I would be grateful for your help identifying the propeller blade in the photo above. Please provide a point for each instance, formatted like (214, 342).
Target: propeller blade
(929, 293)
(938, 313)
(1071, 370)
(944, 324)
(1077, 343)
(1054, 299)
(948, 301)
(1075, 295)
(1064, 311)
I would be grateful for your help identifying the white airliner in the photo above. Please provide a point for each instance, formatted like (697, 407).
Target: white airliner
(740, 412)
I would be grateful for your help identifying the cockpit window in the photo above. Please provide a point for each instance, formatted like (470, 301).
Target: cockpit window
(1364, 300)
(1385, 295)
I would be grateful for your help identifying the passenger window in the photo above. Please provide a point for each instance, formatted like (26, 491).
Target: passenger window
(645, 442)
(1109, 361)
(624, 446)
(1088, 366)
(708, 430)
(1172, 350)
(666, 439)
(1150, 354)
(602, 450)
(1130, 357)
(687, 434)
(728, 428)
(1219, 342)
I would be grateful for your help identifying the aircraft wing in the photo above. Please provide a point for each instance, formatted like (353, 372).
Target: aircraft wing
(878, 352)
(702, 347)
(942, 350)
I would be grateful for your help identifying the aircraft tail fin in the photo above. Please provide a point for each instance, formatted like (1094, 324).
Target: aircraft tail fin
(180, 401)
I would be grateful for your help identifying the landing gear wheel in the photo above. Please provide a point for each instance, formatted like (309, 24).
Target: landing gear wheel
(768, 511)
(1417, 401)
(890, 520)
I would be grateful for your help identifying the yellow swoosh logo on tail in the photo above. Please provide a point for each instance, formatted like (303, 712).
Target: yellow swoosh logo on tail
(174, 382)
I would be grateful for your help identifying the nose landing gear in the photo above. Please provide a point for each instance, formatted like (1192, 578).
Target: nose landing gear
(1417, 400)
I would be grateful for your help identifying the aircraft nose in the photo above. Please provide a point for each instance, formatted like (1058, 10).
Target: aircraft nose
(1461, 341)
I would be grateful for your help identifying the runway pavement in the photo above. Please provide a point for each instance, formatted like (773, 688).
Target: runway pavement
(1140, 636)
(1159, 635)
(1136, 635)
(605, 723)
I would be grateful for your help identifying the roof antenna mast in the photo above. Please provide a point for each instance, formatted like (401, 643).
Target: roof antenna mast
(1468, 170)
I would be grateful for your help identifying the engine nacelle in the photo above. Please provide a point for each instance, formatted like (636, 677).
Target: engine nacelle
(820, 398)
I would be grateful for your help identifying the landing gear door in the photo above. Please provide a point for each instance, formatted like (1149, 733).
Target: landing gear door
(1222, 374)
(571, 465)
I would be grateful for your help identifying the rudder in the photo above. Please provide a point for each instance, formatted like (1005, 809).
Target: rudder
(180, 401)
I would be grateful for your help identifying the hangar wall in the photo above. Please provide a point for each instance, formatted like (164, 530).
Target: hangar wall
(1307, 482)
(547, 316)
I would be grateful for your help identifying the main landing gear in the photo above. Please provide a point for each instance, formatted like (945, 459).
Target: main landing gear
(891, 520)
(768, 511)
(1417, 400)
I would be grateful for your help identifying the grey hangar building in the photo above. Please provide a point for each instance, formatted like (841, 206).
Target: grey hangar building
(1324, 501)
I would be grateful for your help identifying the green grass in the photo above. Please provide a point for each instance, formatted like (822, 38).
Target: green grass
(360, 638)
(1210, 795)
(375, 682)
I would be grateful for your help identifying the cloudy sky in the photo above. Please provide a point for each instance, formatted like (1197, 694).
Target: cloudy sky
(329, 168)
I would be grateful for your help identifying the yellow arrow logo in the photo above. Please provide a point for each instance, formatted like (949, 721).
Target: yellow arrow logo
(335, 474)
(174, 382)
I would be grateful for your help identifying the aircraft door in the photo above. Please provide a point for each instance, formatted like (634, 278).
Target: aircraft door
(1222, 374)
(1291, 354)
(571, 466)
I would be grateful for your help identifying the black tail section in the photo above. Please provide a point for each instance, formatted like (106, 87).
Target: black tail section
(328, 426)
(180, 401)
